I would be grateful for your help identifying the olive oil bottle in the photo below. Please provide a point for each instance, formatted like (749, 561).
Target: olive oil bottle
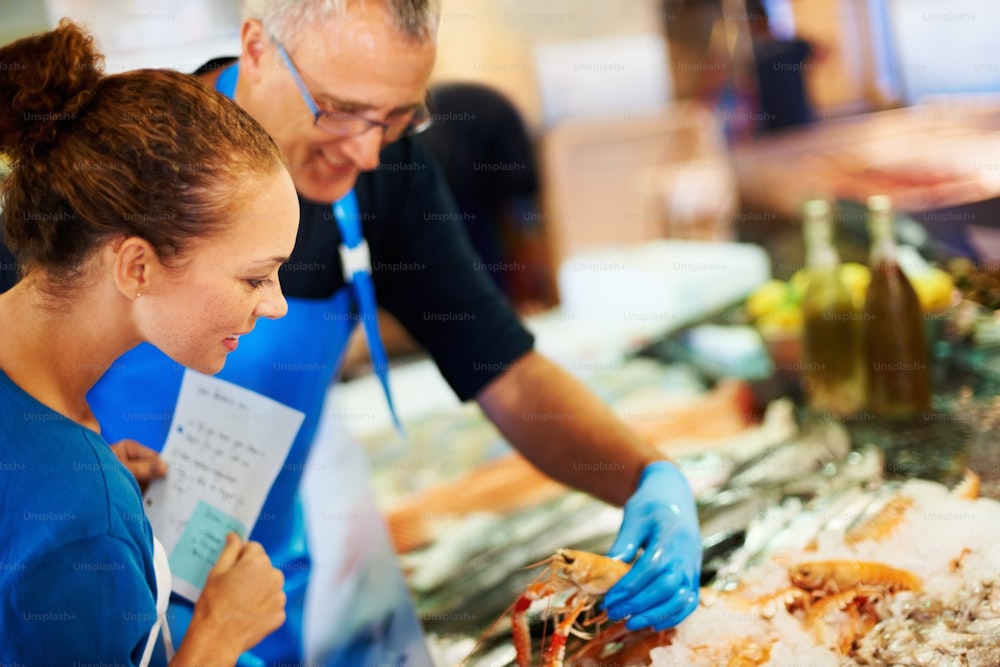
(833, 368)
(898, 363)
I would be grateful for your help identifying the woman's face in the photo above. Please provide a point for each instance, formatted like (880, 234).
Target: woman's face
(195, 312)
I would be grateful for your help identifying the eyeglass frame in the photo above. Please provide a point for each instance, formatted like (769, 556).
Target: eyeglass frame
(410, 130)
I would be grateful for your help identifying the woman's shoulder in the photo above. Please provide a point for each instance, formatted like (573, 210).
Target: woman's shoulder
(97, 594)
(73, 531)
(60, 483)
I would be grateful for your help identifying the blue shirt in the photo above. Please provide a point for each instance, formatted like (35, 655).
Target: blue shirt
(77, 583)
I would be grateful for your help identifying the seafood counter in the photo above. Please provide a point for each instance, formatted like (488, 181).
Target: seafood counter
(818, 548)
(852, 579)
(900, 574)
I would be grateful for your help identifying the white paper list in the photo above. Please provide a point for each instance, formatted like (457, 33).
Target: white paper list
(225, 449)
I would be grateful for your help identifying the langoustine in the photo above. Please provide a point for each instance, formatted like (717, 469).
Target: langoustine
(572, 583)
(585, 576)
(915, 567)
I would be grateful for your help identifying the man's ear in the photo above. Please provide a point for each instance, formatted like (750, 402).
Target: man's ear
(253, 42)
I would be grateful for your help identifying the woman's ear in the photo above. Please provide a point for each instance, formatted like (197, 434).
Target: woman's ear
(136, 266)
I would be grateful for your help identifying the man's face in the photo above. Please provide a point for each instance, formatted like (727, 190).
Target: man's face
(357, 63)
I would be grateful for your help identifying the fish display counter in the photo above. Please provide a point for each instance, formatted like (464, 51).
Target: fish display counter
(826, 541)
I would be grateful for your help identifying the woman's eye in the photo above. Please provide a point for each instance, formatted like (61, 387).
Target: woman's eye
(257, 283)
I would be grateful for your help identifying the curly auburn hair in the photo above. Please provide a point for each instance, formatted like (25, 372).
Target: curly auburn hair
(150, 153)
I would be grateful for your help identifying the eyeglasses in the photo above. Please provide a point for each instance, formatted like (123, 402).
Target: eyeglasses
(344, 125)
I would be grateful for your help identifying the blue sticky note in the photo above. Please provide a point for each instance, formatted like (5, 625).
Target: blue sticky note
(201, 543)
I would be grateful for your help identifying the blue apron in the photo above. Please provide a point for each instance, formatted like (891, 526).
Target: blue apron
(292, 360)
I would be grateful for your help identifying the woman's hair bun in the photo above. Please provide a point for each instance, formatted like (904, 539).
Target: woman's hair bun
(48, 79)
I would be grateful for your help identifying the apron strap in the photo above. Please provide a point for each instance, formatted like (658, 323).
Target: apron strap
(226, 83)
(356, 261)
(161, 568)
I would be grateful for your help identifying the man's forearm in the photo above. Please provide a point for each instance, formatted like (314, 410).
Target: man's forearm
(565, 430)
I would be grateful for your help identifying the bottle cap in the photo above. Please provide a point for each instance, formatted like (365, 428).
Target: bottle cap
(879, 203)
(816, 208)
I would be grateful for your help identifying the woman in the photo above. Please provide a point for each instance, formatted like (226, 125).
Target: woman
(141, 207)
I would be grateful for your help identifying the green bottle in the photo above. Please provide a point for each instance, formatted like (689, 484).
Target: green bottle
(833, 362)
(899, 379)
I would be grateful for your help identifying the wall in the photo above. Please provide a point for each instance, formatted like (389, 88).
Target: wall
(178, 34)
(840, 82)
(493, 41)
(21, 17)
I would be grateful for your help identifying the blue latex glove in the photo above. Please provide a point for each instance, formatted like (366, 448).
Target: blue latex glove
(660, 518)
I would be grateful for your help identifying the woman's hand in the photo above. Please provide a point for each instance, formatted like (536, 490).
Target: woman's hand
(144, 463)
(241, 603)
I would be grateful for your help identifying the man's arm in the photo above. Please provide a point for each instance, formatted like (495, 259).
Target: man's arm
(571, 435)
(565, 430)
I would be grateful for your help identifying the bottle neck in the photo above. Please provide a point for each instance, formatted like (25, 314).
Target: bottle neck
(820, 251)
(883, 238)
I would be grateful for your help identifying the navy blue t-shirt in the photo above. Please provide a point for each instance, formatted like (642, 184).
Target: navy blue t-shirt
(781, 66)
(77, 584)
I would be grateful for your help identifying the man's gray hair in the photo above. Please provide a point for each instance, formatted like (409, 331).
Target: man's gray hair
(415, 18)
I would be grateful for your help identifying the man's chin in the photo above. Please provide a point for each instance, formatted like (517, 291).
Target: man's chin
(323, 188)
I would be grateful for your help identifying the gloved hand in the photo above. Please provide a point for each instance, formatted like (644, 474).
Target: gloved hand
(660, 518)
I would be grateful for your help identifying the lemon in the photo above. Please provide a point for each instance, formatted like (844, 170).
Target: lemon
(799, 283)
(856, 278)
(853, 275)
(934, 288)
(767, 297)
(785, 319)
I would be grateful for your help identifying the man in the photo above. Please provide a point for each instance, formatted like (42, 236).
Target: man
(339, 85)
(499, 208)
(780, 66)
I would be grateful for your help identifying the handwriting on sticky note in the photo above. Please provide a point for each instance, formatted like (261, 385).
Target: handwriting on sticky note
(201, 543)
(225, 449)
